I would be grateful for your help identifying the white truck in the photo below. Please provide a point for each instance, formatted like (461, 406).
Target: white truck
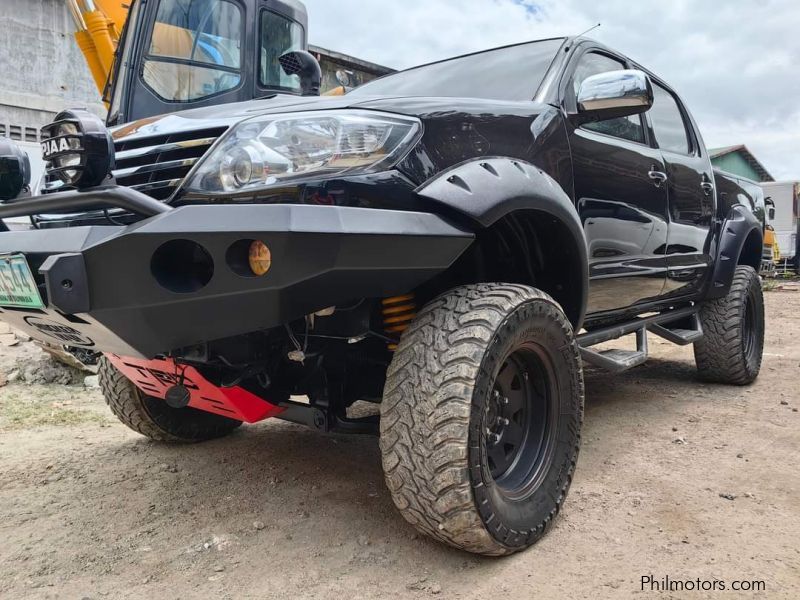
(786, 196)
(34, 152)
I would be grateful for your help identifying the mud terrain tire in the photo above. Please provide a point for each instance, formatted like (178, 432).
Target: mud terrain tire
(733, 345)
(479, 364)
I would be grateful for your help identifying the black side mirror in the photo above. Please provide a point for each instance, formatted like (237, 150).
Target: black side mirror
(304, 65)
(15, 170)
(614, 94)
(771, 206)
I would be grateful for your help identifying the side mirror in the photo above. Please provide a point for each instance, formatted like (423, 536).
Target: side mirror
(614, 94)
(771, 205)
(304, 65)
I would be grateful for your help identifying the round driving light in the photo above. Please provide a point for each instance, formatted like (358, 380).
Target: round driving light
(260, 258)
(78, 149)
(15, 170)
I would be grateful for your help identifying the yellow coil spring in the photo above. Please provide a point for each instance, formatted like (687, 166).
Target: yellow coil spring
(398, 312)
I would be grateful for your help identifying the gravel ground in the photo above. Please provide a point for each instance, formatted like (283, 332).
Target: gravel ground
(676, 478)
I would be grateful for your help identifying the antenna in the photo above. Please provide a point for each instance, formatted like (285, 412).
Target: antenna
(589, 30)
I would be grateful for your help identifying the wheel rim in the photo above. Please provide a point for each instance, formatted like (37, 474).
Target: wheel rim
(519, 422)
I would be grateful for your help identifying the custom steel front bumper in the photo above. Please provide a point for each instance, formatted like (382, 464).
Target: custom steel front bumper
(104, 287)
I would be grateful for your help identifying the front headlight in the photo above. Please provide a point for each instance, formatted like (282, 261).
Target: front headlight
(277, 149)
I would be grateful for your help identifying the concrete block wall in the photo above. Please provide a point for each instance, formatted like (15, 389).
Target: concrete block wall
(42, 71)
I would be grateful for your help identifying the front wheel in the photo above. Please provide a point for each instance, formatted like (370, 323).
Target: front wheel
(733, 345)
(481, 417)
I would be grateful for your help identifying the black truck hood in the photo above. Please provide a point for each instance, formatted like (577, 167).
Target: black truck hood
(230, 114)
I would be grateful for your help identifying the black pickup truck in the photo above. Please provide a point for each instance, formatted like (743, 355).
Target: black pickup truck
(450, 243)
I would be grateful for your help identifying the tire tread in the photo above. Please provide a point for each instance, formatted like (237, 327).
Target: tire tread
(719, 354)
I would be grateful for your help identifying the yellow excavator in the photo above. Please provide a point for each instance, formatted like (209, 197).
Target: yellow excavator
(150, 58)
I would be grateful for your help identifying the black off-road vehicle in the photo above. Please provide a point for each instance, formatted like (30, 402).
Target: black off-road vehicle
(450, 242)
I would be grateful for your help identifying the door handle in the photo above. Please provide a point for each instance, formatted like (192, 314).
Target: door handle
(708, 187)
(658, 177)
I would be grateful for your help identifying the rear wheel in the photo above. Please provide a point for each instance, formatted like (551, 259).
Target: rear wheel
(481, 417)
(733, 345)
(153, 417)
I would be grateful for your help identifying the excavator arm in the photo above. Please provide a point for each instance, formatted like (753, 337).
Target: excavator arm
(98, 25)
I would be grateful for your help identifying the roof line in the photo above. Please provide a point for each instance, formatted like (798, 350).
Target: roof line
(747, 155)
(351, 60)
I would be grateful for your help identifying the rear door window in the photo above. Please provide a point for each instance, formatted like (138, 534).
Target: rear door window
(668, 122)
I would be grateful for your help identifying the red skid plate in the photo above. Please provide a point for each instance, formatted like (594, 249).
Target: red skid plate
(155, 377)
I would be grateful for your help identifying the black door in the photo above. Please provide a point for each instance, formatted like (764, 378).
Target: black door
(690, 184)
(622, 202)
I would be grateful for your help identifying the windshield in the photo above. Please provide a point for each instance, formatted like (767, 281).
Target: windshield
(513, 73)
(195, 50)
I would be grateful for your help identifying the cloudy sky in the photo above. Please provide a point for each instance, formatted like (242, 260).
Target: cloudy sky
(735, 62)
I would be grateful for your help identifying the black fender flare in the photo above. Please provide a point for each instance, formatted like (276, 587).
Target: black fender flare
(739, 223)
(486, 189)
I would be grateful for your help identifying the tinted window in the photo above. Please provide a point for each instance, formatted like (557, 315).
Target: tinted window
(627, 128)
(514, 73)
(205, 33)
(668, 123)
(279, 35)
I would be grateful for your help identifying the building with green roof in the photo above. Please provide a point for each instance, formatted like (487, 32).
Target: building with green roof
(740, 161)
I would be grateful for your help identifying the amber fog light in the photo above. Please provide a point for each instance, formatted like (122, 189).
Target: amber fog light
(260, 258)
(249, 258)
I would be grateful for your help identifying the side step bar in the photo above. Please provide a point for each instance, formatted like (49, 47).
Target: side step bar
(681, 337)
(617, 361)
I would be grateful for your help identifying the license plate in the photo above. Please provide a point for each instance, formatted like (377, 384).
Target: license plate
(17, 285)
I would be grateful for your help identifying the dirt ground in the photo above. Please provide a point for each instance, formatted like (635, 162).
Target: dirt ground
(676, 478)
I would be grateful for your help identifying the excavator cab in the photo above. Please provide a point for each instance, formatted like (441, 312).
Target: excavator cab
(174, 55)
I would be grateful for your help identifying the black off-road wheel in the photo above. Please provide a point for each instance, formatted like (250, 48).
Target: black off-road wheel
(153, 417)
(481, 417)
(733, 345)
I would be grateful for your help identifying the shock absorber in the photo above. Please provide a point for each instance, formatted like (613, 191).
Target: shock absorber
(398, 312)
